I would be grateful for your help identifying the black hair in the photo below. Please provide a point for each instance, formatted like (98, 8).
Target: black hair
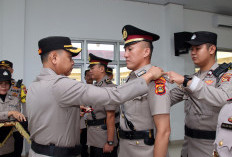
(86, 71)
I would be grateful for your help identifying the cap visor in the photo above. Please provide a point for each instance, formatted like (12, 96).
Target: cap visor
(74, 51)
(195, 43)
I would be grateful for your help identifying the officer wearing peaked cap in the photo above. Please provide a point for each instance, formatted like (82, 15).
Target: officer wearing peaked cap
(204, 92)
(102, 137)
(9, 110)
(144, 120)
(53, 100)
(17, 89)
(109, 72)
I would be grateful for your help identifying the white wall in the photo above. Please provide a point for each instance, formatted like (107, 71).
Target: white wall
(12, 34)
(24, 22)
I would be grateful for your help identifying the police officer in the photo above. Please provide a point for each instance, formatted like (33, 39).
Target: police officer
(9, 110)
(223, 142)
(53, 99)
(204, 92)
(19, 90)
(101, 129)
(88, 77)
(109, 72)
(145, 120)
(83, 136)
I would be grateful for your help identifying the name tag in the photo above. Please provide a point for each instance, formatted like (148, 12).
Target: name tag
(226, 126)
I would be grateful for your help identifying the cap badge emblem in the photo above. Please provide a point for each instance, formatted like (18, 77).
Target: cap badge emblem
(5, 73)
(230, 119)
(193, 37)
(124, 34)
(39, 51)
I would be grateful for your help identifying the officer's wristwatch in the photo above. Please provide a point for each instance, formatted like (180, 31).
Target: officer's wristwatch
(111, 143)
(186, 79)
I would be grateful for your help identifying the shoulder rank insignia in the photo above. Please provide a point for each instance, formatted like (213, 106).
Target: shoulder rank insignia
(142, 72)
(160, 86)
(100, 83)
(226, 77)
(108, 81)
(209, 82)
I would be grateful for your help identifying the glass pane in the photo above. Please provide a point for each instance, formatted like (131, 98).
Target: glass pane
(76, 74)
(224, 57)
(102, 50)
(124, 73)
(79, 45)
(122, 51)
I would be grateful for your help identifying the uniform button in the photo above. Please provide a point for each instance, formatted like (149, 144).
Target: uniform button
(137, 142)
(220, 143)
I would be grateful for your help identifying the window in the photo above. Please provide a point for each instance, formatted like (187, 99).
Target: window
(110, 50)
(223, 56)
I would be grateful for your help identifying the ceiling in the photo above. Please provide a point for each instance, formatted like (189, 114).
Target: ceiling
(214, 6)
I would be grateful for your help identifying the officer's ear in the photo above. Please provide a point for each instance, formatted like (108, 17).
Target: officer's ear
(53, 57)
(101, 68)
(212, 49)
(147, 52)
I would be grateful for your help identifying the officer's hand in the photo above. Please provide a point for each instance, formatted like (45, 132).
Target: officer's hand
(107, 148)
(82, 108)
(153, 73)
(17, 115)
(174, 77)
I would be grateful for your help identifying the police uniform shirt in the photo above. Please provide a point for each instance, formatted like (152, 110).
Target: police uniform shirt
(53, 106)
(223, 142)
(140, 112)
(11, 103)
(96, 136)
(203, 101)
(19, 92)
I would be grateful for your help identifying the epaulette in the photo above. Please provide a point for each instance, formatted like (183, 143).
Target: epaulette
(108, 81)
(222, 69)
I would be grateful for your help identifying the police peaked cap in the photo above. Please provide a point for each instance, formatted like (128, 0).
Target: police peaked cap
(203, 37)
(6, 63)
(55, 43)
(98, 60)
(132, 34)
(5, 75)
(109, 70)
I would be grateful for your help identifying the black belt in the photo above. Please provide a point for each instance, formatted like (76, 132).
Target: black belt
(52, 150)
(200, 134)
(136, 134)
(97, 122)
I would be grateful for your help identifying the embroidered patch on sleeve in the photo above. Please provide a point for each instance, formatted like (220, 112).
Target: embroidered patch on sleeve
(226, 77)
(160, 86)
(209, 82)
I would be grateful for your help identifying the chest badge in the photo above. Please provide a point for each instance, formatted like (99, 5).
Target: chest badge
(226, 77)
(209, 82)
(230, 119)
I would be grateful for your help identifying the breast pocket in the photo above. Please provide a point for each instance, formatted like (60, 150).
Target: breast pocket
(135, 106)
